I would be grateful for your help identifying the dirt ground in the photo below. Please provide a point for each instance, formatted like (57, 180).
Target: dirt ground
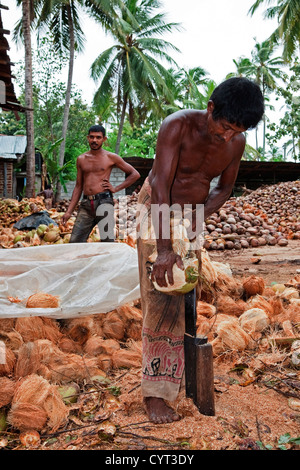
(253, 411)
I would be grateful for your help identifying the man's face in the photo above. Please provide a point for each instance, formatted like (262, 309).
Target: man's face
(221, 130)
(95, 140)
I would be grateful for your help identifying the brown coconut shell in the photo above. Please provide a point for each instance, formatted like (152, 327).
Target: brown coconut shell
(232, 336)
(42, 300)
(7, 390)
(253, 285)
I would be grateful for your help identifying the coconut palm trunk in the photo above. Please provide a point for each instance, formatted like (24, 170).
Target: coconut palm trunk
(68, 98)
(30, 152)
(121, 125)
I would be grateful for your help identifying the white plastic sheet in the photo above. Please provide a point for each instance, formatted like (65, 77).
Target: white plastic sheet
(88, 278)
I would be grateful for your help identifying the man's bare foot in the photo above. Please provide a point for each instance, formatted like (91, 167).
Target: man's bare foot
(159, 412)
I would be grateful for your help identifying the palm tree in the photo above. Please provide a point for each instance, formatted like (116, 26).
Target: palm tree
(27, 14)
(62, 18)
(263, 69)
(129, 70)
(288, 30)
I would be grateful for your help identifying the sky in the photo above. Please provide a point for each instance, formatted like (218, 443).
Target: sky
(213, 33)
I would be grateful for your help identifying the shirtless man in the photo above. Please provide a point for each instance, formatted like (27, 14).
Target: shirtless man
(193, 147)
(48, 195)
(93, 173)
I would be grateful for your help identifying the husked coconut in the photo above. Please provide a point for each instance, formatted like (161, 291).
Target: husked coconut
(42, 300)
(184, 279)
(254, 285)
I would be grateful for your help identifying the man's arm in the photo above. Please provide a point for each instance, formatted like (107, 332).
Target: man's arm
(163, 174)
(132, 175)
(76, 193)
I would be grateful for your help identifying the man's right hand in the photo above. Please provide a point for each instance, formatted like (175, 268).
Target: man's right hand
(164, 265)
(65, 218)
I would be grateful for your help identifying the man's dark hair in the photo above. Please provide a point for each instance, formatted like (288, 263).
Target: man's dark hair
(239, 101)
(97, 128)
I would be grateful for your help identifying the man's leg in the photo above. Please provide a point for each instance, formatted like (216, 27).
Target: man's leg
(84, 224)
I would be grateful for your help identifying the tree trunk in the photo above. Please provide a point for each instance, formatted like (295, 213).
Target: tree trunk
(68, 98)
(30, 152)
(117, 149)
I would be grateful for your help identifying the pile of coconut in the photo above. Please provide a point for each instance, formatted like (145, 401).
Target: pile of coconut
(49, 366)
(247, 314)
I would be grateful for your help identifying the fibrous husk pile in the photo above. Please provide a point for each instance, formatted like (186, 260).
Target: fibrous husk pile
(41, 357)
(245, 314)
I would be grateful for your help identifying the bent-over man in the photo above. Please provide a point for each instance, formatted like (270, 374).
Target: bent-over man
(193, 147)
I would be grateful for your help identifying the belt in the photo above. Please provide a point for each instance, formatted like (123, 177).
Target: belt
(92, 197)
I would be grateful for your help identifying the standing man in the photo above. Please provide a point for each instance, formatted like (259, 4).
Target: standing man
(93, 173)
(48, 195)
(193, 147)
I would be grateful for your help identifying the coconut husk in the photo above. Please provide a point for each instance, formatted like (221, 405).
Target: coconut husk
(254, 320)
(45, 358)
(34, 328)
(68, 345)
(126, 358)
(253, 285)
(80, 329)
(12, 339)
(56, 409)
(268, 292)
(228, 286)
(24, 416)
(113, 326)
(206, 309)
(7, 324)
(231, 337)
(42, 300)
(104, 361)
(276, 304)
(259, 301)
(10, 361)
(7, 390)
(229, 306)
(97, 345)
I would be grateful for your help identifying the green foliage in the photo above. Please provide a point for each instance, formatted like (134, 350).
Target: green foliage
(284, 443)
(137, 142)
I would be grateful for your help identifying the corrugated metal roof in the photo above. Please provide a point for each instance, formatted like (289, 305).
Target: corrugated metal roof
(12, 145)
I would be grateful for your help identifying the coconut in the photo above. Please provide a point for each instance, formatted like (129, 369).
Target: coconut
(126, 358)
(42, 300)
(97, 345)
(184, 279)
(33, 328)
(254, 285)
(205, 309)
(25, 416)
(7, 389)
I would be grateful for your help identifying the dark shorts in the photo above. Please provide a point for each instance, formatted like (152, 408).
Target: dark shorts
(99, 211)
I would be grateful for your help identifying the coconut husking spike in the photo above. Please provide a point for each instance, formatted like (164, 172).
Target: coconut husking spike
(199, 376)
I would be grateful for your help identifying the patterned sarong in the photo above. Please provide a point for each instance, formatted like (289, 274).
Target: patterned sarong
(163, 321)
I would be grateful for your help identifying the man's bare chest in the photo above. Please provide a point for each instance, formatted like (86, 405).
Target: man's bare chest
(95, 165)
(203, 159)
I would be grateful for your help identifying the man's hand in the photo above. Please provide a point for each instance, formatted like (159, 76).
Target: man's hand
(164, 264)
(107, 186)
(65, 218)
